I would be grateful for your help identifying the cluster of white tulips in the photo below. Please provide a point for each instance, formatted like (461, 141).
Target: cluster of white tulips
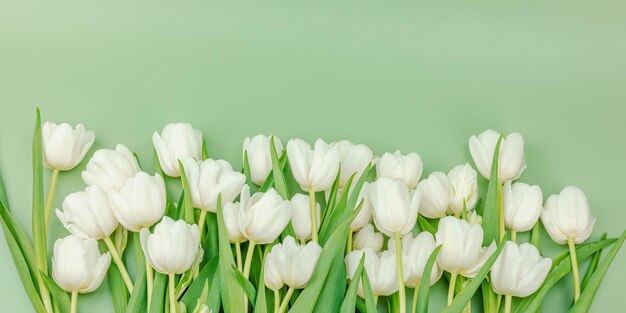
(321, 249)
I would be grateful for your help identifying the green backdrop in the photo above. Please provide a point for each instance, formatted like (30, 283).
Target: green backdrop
(394, 76)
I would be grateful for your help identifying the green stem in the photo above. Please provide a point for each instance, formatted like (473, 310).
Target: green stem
(507, 303)
(501, 228)
(246, 270)
(451, 287)
(349, 242)
(201, 220)
(74, 301)
(313, 206)
(50, 196)
(149, 282)
(400, 271)
(574, 258)
(238, 252)
(120, 265)
(415, 294)
(172, 292)
(276, 300)
(283, 305)
(513, 235)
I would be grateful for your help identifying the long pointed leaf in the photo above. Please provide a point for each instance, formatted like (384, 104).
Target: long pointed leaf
(188, 205)
(349, 302)
(159, 289)
(195, 289)
(39, 226)
(59, 295)
(280, 184)
(119, 293)
(592, 266)
(422, 297)
(245, 284)
(490, 213)
(231, 293)
(138, 299)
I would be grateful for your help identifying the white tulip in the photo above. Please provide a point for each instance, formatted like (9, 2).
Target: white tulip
(314, 169)
(140, 203)
(463, 189)
(394, 207)
(567, 215)
(259, 157)
(415, 254)
(77, 265)
(230, 213)
(368, 238)
(365, 215)
(109, 169)
(354, 158)
(263, 216)
(63, 146)
(474, 218)
(208, 179)
(461, 252)
(380, 268)
(88, 214)
(406, 167)
(173, 247)
(294, 263)
(301, 216)
(511, 162)
(271, 275)
(177, 141)
(522, 205)
(435, 191)
(519, 270)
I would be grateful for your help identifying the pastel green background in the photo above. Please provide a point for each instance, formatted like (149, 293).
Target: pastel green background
(420, 78)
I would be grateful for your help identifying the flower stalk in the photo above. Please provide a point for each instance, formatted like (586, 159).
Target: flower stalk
(574, 258)
(120, 265)
(401, 290)
(50, 197)
(313, 215)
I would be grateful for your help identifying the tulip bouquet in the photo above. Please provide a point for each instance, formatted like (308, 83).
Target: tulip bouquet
(322, 228)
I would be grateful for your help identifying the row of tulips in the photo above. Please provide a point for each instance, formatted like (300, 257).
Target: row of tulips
(321, 250)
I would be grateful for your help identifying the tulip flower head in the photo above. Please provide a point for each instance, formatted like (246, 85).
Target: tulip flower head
(463, 189)
(293, 263)
(208, 179)
(314, 169)
(301, 216)
(77, 265)
(511, 161)
(567, 215)
(522, 205)
(263, 216)
(435, 193)
(519, 270)
(88, 214)
(140, 203)
(109, 169)
(173, 247)
(64, 146)
(230, 214)
(368, 238)
(364, 216)
(415, 254)
(259, 157)
(177, 141)
(380, 268)
(406, 167)
(354, 158)
(394, 206)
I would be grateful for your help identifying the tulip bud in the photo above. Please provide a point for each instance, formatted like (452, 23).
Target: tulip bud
(294, 263)
(109, 169)
(301, 216)
(368, 238)
(88, 214)
(519, 270)
(173, 247)
(230, 213)
(208, 179)
(140, 203)
(263, 216)
(522, 205)
(567, 215)
(313, 169)
(394, 207)
(271, 275)
(354, 158)
(511, 162)
(77, 264)
(365, 214)
(177, 141)
(406, 167)
(259, 157)
(63, 147)
(474, 218)
(415, 254)
(380, 269)
(435, 192)
(463, 189)
(461, 250)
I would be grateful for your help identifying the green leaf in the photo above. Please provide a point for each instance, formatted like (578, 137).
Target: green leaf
(422, 297)
(461, 300)
(586, 298)
(205, 152)
(280, 184)
(188, 204)
(119, 293)
(210, 242)
(427, 224)
(562, 267)
(349, 302)
(332, 198)
(261, 302)
(3, 193)
(39, 226)
(337, 214)
(246, 169)
(370, 301)
(159, 289)
(231, 293)
(245, 284)
(59, 295)
(334, 287)
(269, 181)
(205, 275)
(592, 266)
(535, 238)
(138, 299)
(490, 214)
